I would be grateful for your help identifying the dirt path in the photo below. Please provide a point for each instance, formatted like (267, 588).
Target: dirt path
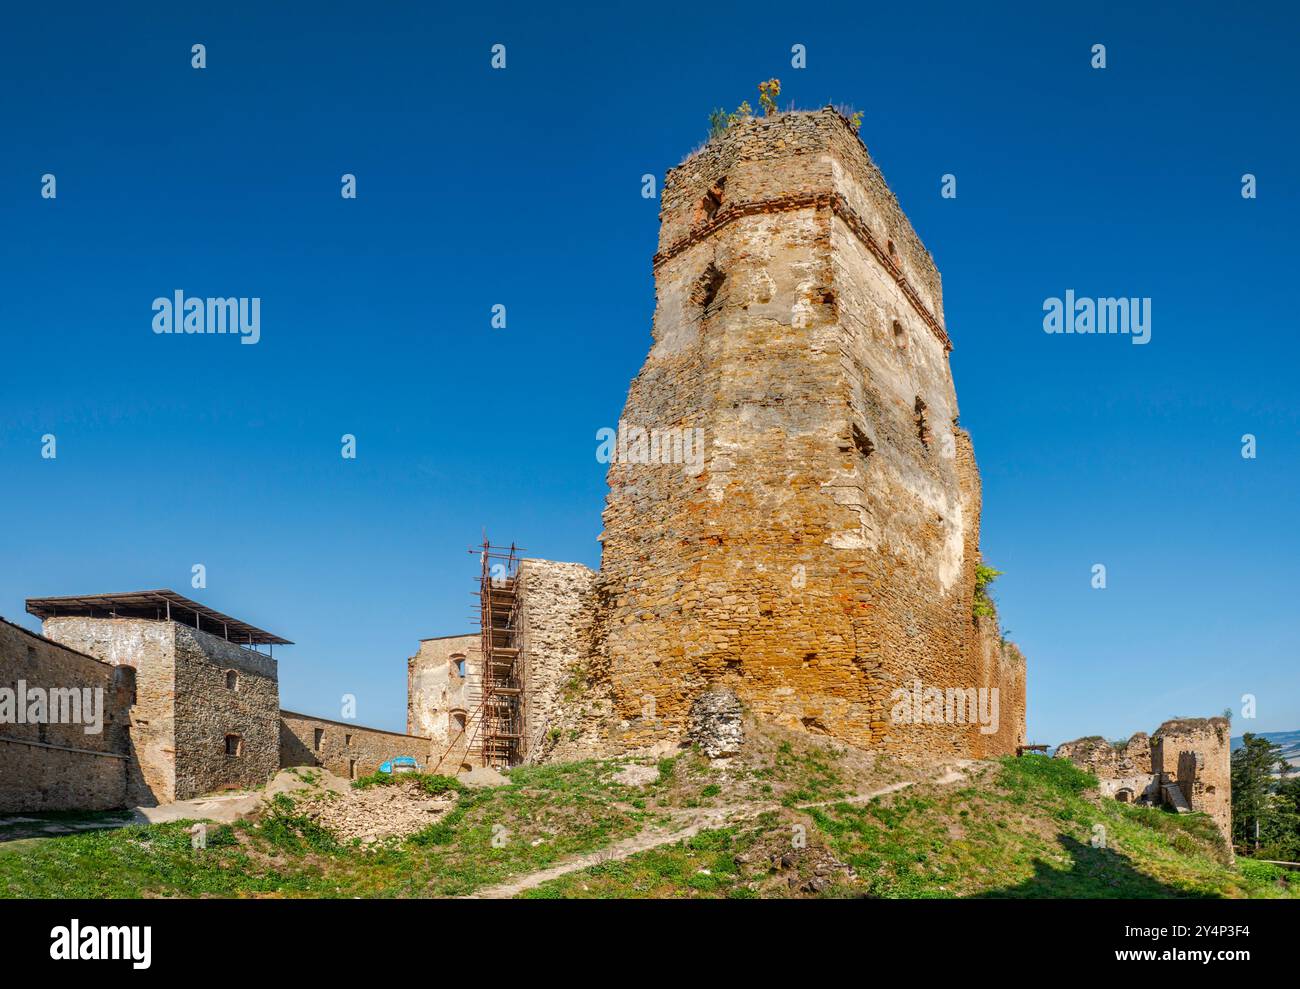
(694, 822)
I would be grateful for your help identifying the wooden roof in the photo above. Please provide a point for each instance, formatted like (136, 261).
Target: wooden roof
(155, 605)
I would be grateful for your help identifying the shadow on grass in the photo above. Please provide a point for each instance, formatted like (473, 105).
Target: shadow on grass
(1094, 873)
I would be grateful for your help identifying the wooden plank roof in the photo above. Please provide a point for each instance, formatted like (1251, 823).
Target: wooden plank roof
(154, 605)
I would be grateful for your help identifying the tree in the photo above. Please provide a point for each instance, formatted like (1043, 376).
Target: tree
(1265, 813)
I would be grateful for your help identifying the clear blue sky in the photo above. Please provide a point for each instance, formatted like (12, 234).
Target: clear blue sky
(522, 187)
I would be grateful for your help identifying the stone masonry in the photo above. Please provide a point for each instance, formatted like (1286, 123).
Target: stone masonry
(345, 749)
(185, 716)
(59, 766)
(824, 553)
(442, 702)
(1186, 765)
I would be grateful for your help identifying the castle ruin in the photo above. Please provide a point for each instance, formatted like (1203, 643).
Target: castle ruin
(791, 530)
(793, 509)
(1186, 765)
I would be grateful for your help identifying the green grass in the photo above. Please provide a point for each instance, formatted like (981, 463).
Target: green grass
(544, 814)
(1031, 827)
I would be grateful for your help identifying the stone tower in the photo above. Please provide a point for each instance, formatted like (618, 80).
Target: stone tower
(820, 556)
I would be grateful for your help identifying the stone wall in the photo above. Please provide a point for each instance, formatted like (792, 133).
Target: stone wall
(567, 708)
(824, 557)
(1107, 760)
(443, 705)
(1194, 754)
(58, 766)
(343, 748)
(1191, 754)
(148, 648)
(223, 690)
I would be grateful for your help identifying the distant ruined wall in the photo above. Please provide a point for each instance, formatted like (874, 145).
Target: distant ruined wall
(1190, 753)
(442, 705)
(825, 555)
(1109, 761)
(1195, 753)
(345, 749)
(46, 766)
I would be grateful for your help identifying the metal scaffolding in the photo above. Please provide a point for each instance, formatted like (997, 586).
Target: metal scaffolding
(503, 704)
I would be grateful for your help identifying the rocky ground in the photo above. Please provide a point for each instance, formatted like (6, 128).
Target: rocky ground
(367, 815)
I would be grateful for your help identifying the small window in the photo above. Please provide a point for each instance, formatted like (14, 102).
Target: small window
(922, 426)
(862, 441)
(31, 654)
(893, 252)
(352, 767)
(458, 664)
(347, 739)
(234, 746)
(708, 206)
(458, 721)
(900, 336)
(318, 737)
(707, 286)
(232, 680)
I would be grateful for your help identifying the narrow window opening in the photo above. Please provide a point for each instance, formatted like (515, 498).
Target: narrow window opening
(862, 442)
(232, 680)
(318, 736)
(922, 426)
(347, 739)
(712, 201)
(458, 664)
(234, 746)
(352, 769)
(707, 286)
(900, 336)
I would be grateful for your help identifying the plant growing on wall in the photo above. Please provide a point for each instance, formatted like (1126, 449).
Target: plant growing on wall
(983, 604)
(720, 121)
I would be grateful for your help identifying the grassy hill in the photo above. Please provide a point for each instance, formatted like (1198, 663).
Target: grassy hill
(787, 818)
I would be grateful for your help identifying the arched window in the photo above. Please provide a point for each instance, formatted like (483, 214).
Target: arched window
(458, 664)
(458, 721)
(232, 680)
(234, 746)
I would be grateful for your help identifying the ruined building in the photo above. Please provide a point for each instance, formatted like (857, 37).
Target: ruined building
(792, 529)
(190, 706)
(1186, 765)
(793, 510)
